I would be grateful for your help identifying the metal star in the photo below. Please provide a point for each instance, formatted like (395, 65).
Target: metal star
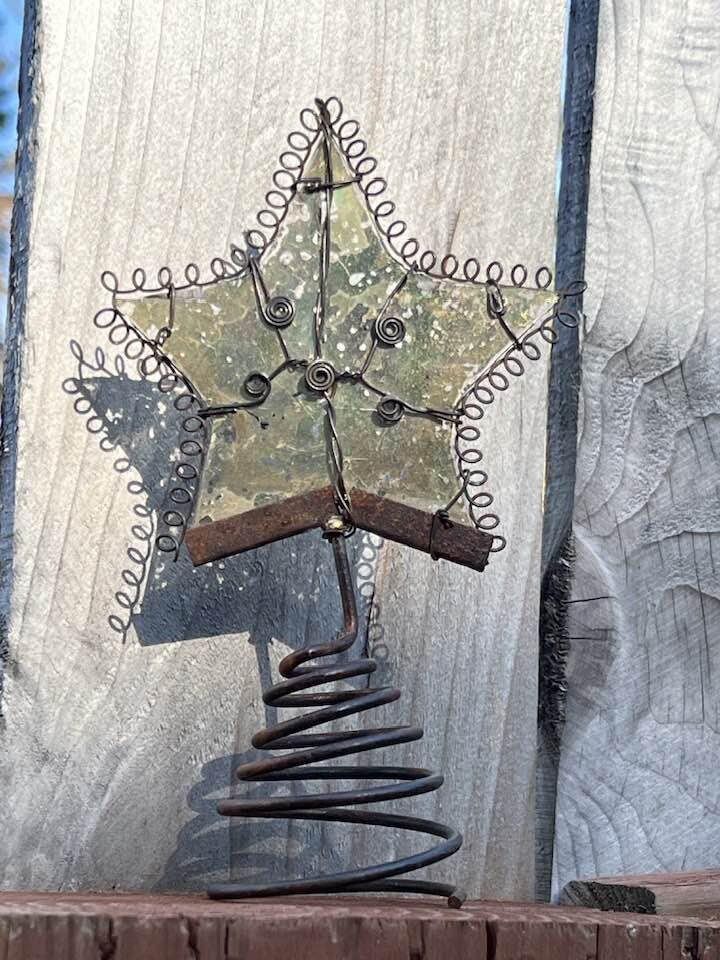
(330, 364)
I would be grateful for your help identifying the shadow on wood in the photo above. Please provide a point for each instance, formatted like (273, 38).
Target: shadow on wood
(163, 600)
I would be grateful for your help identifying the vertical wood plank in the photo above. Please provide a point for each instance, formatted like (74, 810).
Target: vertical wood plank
(638, 789)
(132, 686)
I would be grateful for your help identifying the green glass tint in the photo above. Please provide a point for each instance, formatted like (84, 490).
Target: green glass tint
(441, 338)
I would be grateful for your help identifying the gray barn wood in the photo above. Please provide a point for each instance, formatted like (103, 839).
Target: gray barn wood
(150, 134)
(639, 786)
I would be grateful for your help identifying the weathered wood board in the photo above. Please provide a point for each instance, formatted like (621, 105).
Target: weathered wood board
(639, 786)
(150, 132)
(125, 926)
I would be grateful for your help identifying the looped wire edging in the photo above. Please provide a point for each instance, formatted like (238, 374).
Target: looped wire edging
(286, 182)
(481, 393)
(152, 364)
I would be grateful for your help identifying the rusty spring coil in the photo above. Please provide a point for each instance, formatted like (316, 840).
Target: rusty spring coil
(311, 749)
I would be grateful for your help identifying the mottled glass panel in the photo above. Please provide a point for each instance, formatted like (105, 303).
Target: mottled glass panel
(279, 448)
(263, 458)
(217, 339)
(449, 337)
(411, 460)
(362, 273)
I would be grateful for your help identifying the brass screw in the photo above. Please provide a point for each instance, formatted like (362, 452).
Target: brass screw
(334, 524)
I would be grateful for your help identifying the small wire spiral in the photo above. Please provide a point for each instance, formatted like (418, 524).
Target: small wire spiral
(310, 749)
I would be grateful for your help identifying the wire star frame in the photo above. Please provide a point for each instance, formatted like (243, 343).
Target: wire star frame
(464, 340)
(331, 375)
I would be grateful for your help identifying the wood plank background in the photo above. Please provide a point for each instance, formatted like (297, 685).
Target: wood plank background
(150, 132)
(639, 788)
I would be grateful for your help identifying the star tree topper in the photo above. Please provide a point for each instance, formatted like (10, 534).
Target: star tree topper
(330, 368)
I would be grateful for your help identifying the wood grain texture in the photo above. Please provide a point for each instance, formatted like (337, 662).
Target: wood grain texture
(688, 894)
(133, 686)
(639, 784)
(123, 926)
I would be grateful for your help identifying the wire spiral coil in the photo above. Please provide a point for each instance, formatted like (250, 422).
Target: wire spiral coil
(310, 749)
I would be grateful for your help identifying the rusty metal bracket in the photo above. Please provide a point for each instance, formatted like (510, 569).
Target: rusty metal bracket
(396, 521)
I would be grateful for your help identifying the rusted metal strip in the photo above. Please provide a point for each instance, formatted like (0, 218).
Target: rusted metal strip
(417, 528)
(387, 518)
(255, 528)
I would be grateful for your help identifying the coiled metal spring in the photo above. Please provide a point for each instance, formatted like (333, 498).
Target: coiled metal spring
(310, 749)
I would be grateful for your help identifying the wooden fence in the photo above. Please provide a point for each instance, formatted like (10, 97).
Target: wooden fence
(148, 136)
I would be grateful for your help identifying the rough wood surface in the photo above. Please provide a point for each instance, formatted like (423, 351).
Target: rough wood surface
(121, 926)
(689, 894)
(151, 132)
(639, 780)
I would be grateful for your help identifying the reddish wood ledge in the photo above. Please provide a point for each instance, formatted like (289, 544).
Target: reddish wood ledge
(126, 926)
(387, 518)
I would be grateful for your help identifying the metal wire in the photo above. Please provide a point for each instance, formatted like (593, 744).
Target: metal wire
(496, 378)
(304, 754)
(328, 125)
(153, 363)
